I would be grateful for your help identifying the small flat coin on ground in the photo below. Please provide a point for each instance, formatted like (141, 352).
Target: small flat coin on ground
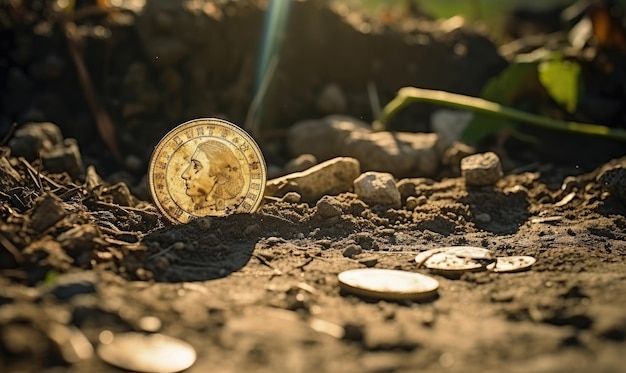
(455, 259)
(388, 284)
(151, 353)
(444, 262)
(511, 264)
(471, 252)
(206, 167)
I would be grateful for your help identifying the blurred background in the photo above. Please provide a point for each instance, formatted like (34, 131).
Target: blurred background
(116, 75)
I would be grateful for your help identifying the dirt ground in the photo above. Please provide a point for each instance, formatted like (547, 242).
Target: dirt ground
(259, 292)
(82, 255)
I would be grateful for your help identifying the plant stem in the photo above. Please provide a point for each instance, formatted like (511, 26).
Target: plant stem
(409, 95)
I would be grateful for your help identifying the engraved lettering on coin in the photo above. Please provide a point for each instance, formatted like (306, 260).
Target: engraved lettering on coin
(206, 167)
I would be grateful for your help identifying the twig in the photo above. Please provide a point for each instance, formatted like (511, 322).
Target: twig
(124, 208)
(35, 173)
(105, 126)
(409, 95)
(9, 134)
(164, 251)
(266, 263)
(8, 245)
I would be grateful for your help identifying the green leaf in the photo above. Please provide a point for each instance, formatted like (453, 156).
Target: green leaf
(51, 277)
(503, 89)
(560, 78)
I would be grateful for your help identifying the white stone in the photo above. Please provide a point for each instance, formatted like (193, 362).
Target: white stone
(332, 177)
(377, 188)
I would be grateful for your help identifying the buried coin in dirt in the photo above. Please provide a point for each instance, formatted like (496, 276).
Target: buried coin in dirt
(511, 264)
(206, 167)
(152, 353)
(455, 259)
(388, 284)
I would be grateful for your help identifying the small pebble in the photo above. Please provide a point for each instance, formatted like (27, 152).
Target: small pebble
(271, 241)
(204, 223)
(161, 263)
(150, 324)
(291, 197)
(613, 181)
(328, 207)
(481, 169)
(411, 203)
(352, 250)
(483, 218)
(369, 262)
(377, 188)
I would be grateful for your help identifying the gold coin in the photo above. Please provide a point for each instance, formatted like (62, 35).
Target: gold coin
(388, 284)
(206, 167)
(511, 264)
(148, 353)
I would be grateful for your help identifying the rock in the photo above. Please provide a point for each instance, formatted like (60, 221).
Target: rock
(454, 154)
(613, 180)
(323, 138)
(411, 203)
(331, 100)
(79, 239)
(328, 207)
(377, 188)
(120, 194)
(48, 212)
(291, 197)
(33, 138)
(300, 163)
(481, 169)
(369, 262)
(352, 250)
(407, 187)
(331, 177)
(65, 158)
(450, 124)
(402, 154)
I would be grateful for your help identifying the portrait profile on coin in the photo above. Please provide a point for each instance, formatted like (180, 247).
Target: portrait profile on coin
(213, 176)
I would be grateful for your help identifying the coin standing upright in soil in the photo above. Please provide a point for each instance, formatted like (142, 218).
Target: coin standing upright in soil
(206, 167)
